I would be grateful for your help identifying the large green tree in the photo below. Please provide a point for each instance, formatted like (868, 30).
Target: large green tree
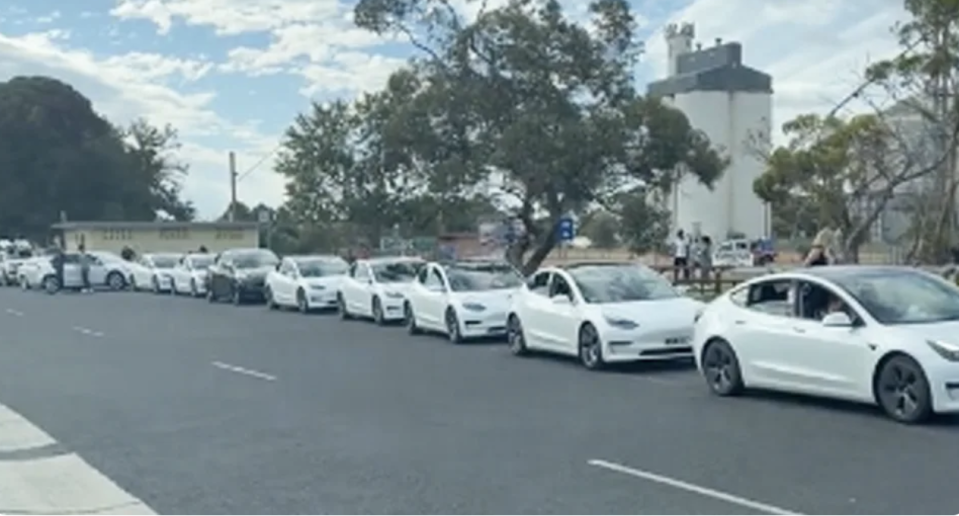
(545, 105)
(58, 156)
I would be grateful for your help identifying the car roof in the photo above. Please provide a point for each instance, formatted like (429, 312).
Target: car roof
(296, 257)
(467, 262)
(391, 259)
(587, 263)
(836, 273)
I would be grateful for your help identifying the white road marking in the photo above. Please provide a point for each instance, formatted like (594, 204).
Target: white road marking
(15, 313)
(87, 331)
(243, 370)
(58, 484)
(692, 488)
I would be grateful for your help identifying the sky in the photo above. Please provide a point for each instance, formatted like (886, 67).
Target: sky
(231, 75)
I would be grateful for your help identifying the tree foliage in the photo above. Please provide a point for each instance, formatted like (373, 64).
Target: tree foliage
(57, 155)
(842, 172)
(521, 108)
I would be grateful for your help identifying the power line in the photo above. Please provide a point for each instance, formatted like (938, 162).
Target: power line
(256, 165)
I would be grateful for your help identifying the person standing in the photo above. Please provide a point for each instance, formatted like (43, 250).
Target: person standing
(85, 260)
(58, 261)
(820, 252)
(705, 256)
(680, 256)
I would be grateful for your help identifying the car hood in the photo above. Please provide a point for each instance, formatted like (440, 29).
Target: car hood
(947, 331)
(660, 313)
(401, 288)
(257, 273)
(330, 282)
(498, 300)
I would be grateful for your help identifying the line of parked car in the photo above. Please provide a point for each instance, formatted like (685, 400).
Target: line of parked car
(880, 335)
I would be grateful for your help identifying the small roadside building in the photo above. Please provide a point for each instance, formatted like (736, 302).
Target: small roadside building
(160, 236)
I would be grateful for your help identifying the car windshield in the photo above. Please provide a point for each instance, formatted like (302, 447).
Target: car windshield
(475, 277)
(255, 260)
(165, 261)
(621, 283)
(903, 296)
(201, 262)
(319, 267)
(396, 272)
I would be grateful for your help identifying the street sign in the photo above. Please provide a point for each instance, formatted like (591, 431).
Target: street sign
(567, 229)
(264, 216)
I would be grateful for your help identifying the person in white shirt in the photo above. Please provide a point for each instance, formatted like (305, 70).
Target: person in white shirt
(680, 255)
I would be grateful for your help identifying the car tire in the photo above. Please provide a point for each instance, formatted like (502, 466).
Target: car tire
(302, 303)
(409, 318)
(902, 390)
(50, 284)
(515, 336)
(721, 369)
(453, 331)
(377, 310)
(116, 281)
(591, 348)
(342, 309)
(268, 295)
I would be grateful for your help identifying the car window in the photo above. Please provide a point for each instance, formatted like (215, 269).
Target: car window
(539, 283)
(396, 272)
(771, 297)
(902, 296)
(285, 268)
(434, 278)
(816, 301)
(560, 287)
(739, 296)
(480, 276)
(424, 275)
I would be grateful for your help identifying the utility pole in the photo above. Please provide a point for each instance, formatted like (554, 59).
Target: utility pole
(232, 210)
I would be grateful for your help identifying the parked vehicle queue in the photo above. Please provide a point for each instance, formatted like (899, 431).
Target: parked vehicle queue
(877, 335)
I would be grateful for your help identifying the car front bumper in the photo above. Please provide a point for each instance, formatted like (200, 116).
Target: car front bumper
(943, 379)
(622, 345)
(474, 325)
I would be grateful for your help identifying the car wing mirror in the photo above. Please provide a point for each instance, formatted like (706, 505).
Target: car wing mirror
(837, 320)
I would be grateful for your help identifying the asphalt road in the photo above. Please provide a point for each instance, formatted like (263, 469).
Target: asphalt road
(199, 408)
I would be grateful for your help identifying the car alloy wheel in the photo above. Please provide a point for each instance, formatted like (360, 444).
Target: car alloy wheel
(453, 327)
(515, 336)
(903, 390)
(115, 281)
(51, 285)
(590, 348)
(721, 369)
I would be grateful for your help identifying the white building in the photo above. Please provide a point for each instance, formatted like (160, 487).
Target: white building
(732, 104)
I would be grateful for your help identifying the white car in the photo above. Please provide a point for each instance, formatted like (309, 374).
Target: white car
(153, 271)
(109, 269)
(377, 288)
(10, 275)
(189, 276)
(881, 335)
(602, 313)
(306, 283)
(39, 272)
(462, 299)
(30, 273)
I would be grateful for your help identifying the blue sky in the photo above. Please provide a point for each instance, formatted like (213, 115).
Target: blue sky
(232, 74)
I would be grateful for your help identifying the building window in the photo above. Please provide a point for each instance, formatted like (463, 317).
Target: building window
(229, 234)
(174, 234)
(117, 234)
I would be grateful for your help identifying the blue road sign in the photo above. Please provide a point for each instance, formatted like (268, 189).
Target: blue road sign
(567, 229)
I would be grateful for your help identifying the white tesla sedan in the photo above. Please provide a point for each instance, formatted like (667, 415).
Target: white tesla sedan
(154, 271)
(189, 275)
(306, 283)
(377, 287)
(602, 313)
(880, 335)
(462, 299)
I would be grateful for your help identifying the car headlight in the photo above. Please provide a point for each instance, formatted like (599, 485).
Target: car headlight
(945, 350)
(623, 324)
(394, 295)
(474, 307)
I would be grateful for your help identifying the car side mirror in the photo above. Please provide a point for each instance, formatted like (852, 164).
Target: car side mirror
(837, 320)
(561, 300)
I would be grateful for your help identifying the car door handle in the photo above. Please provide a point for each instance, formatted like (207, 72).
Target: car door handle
(740, 322)
(798, 329)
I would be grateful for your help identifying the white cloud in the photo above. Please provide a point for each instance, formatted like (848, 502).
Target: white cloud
(815, 50)
(127, 86)
(227, 16)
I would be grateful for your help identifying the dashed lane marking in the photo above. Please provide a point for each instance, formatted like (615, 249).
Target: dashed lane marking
(691, 488)
(15, 313)
(244, 371)
(87, 331)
